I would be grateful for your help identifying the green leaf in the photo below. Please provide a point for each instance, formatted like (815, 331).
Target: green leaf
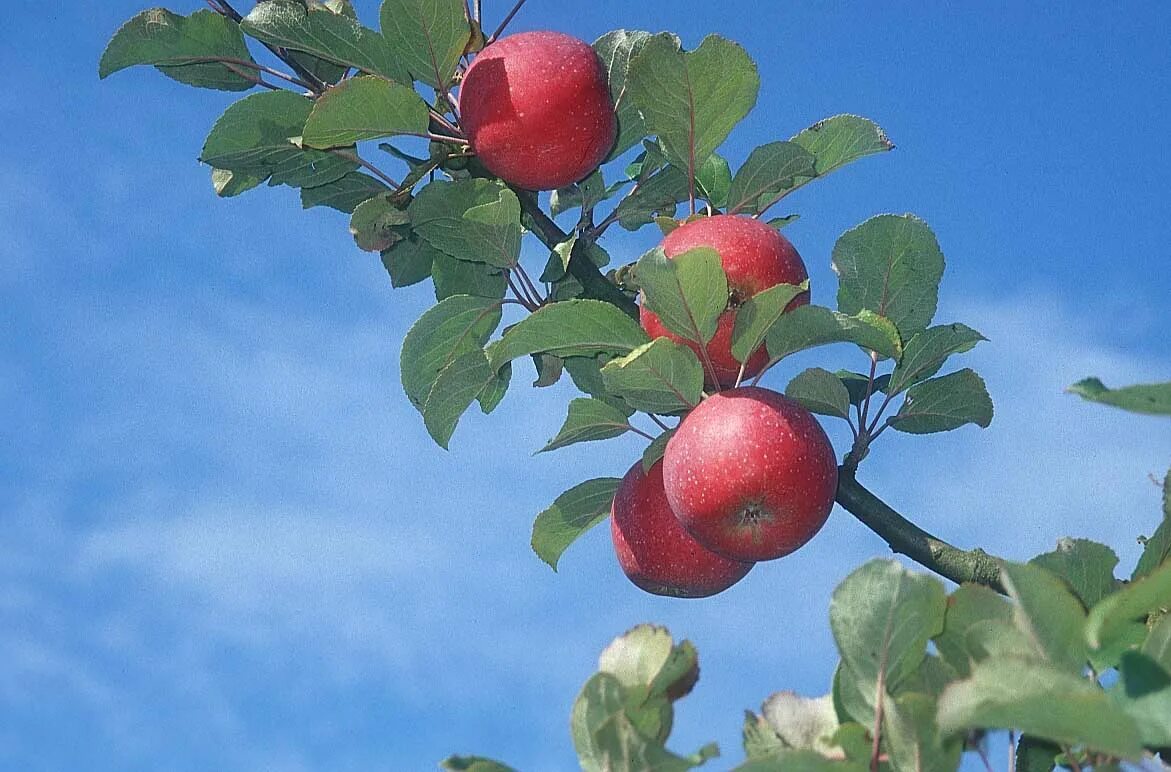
(1151, 594)
(1086, 566)
(657, 195)
(428, 36)
(655, 451)
(473, 764)
(367, 107)
(1158, 547)
(646, 656)
(759, 738)
(493, 394)
(809, 326)
(1037, 698)
(228, 184)
(659, 377)
(408, 262)
(1149, 398)
(925, 353)
(343, 194)
(459, 277)
(182, 47)
(616, 49)
(375, 222)
(476, 220)
(1145, 694)
(573, 513)
(802, 722)
(549, 369)
(692, 101)
(455, 389)
(442, 335)
(714, 180)
(1157, 645)
(688, 292)
(891, 265)
(1048, 614)
(757, 316)
(1036, 755)
(601, 699)
(914, 740)
(821, 392)
(589, 420)
(585, 195)
(946, 403)
(837, 141)
(570, 328)
(855, 384)
(334, 37)
(792, 760)
(586, 373)
(770, 172)
(882, 617)
(256, 136)
(970, 608)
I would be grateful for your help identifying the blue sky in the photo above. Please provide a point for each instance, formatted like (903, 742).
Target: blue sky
(227, 541)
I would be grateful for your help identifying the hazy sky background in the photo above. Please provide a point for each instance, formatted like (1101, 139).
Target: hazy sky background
(226, 541)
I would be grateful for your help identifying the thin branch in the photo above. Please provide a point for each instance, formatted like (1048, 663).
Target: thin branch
(524, 277)
(478, 10)
(504, 24)
(596, 286)
(869, 389)
(315, 84)
(906, 538)
(350, 155)
(521, 295)
(1011, 750)
(636, 430)
(659, 421)
(446, 124)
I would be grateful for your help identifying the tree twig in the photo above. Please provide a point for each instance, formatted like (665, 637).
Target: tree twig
(906, 538)
(504, 24)
(350, 155)
(596, 286)
(316, 84)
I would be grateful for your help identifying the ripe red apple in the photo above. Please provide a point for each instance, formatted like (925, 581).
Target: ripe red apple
(536, 108)
(654, 550)
(755, 257)
(750, 474)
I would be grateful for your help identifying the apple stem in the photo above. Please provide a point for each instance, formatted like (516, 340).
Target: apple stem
(507, 19)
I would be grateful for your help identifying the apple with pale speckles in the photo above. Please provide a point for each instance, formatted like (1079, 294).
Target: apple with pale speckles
(654, 550)
(750, 474)
(754, 257)
(537, 111)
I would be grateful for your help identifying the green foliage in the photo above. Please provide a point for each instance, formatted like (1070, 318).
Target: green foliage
(811, 326)
(589, 420)
(333, 37)
(367, 107)
(573, 513)
(925, 353)
(455, 389)
(190, 49)
(691, 100)
(757, 315)
(1150, 398)
(376, 223)
(1086, 566)
(714, 179)
(427, 37)
(475, 220)
(891, 265)
(449, 330)
(343, 194)
(659, 377)
(460, 277)
(568, 329)
(770, 172)
(616, 49)
(943, 404)
(1157, 548)
(1149, 595)
(1042, 700)
(473, 764)
(1048, 614)
(837, 141)
(821, 392)
(259, 136)
(655, 451)
(658, 194)
(688, 292)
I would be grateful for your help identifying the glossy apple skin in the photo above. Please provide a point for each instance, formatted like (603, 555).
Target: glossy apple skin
(536, 109)
(755, 257)
(654, 550)
(750, 474)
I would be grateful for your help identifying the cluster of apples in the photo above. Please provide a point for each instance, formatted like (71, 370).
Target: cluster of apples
(749, 474)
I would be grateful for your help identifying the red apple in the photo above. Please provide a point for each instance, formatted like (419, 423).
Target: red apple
(750, 474)
(536, 108)
(755, 257)
(654, 550)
